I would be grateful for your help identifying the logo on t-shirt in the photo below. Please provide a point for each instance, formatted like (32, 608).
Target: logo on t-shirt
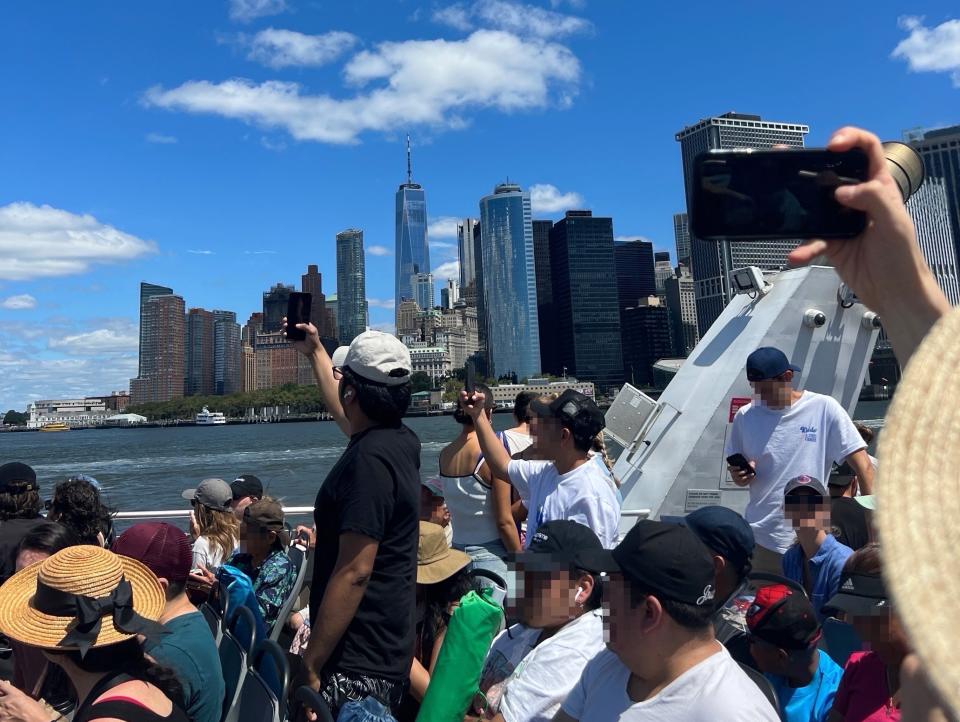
(809, 432)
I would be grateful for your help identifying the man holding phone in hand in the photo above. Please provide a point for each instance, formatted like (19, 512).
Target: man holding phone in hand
(782, 434)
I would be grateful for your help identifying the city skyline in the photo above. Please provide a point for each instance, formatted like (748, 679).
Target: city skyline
(129, 170)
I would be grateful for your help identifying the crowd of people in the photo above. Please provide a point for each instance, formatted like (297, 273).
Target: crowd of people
(781, 613)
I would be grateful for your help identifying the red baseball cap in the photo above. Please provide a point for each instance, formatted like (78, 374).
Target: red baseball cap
(163, 548)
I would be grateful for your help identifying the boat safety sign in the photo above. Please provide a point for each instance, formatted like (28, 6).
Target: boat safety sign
(698, 498)
(735, 403)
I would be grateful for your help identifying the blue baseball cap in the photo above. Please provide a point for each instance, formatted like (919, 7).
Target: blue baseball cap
(724, 532)
(768, 362)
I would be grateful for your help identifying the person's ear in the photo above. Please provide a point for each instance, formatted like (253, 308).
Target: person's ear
(652, 614)
(164, 584)
(718, 565)
(585, 584)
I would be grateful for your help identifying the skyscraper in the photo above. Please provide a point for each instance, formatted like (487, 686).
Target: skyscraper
(275, 307)
(351, 285)
(713, 261)
(940, 150)
(200, 366)
(481, 360)
(312, 282)
(148, 291)
(549, 355)
(509, 283)
(422, 284)
(662, 269)
(682, 309)
(586, 322)
(163, 333)
(646, 339)
(681, 236)
(226, 353)
(468, 266)
(413, 251)
(634, 270)
(450, 294)
(930, 211)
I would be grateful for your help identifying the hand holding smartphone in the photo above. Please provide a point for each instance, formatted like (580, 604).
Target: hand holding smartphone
(298, 311)
(741, 462)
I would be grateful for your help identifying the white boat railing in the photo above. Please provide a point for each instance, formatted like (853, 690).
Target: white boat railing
(290, 511)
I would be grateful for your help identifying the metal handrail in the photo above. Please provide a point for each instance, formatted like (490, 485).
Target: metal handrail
(185, 513)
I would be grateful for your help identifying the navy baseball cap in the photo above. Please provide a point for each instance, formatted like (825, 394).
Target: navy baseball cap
(768, 362)
(724, 532)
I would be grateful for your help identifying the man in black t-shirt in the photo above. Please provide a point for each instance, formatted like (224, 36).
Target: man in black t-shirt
(847, 518)
(362, 597)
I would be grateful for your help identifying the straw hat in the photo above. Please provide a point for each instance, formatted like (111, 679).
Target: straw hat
(436, 561)
(81, 588)
(918, 503)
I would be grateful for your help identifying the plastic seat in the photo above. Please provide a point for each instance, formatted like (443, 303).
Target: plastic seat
(236, 649)
(213, 618)
(311, 699)
(298, 557)
(264, 692)
(764, 685)
(840, 639)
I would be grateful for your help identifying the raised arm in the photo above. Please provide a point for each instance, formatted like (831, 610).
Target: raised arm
(494, 454)
(322, 371)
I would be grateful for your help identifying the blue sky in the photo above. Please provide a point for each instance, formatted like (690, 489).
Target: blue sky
(217, 147)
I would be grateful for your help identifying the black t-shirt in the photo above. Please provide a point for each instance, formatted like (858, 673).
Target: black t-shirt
(12, 533)
(374, 490)
(849, 522)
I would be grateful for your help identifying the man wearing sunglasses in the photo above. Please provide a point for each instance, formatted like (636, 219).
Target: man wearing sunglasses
(816, 559)
(784, 432)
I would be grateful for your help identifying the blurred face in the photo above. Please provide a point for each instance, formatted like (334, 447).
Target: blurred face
(26, 557)
(547, 433)
(254, 540)
(630, 617)
(882, 633)
(774, 392)
(806, 509)
(544, 596)
(769, 659)
(433, 508)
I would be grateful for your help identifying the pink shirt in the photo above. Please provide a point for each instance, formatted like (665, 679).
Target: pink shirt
(863, 695)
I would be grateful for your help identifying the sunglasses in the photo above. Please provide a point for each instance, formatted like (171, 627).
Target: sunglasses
(803, 501)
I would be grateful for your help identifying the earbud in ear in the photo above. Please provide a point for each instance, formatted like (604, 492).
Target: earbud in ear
(578, 598)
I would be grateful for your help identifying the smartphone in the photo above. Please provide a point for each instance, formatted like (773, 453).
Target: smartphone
(470, 382)
(741, 462)
(298, 311)
(746, 194)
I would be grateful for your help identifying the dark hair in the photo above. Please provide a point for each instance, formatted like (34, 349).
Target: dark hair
(174, 589)
(521, 404)
(382, 404)
(438, 598)
(76, 504)
(583, 439)
(129, 657)
(19, 504)
(462, 417)
(595, 600)
(48, 537)
(865, 560)
(689, 616)
(866, 433)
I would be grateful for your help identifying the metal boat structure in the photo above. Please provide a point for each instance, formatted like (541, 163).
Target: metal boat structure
(672, 460)
(210, 418)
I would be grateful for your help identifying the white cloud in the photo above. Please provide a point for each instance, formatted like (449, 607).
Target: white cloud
(278, 146)
(934, 49)
(415, 82)
(379, 251)
(283, 48)
(447, 271)
(442, 246)
(27, 377)
(381, 303)
(101, 341)
(443, 227)
(200, 252)
(246, 10)
(19, 303)
(38, 241)
(161, 139)
(514, 17)
(546, 198)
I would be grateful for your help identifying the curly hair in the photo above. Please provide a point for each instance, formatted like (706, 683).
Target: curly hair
(76, 504)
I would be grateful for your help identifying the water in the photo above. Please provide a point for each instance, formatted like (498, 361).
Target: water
(147, 469)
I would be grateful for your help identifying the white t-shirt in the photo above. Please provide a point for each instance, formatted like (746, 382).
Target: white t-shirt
(584, 495)
(207, 554)
(806, 437)
(514, 441)
(715, 690)
(527, 683)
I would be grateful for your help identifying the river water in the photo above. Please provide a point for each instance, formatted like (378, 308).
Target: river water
(147, 469)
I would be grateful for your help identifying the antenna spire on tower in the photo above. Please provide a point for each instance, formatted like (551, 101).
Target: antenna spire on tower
(409, 167)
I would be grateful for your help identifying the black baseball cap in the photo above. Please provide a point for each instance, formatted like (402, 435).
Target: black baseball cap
(563, 541)
(574, 410)
(246, 485)
(860, 595)
(783, 617)
(16, 478)
(666, 560)
(768, 362)
(841, 475)
(724, 532)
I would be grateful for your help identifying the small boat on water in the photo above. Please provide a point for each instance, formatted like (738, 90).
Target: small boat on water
(210, 418)
(55, 426)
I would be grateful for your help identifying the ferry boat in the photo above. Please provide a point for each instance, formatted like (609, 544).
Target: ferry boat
(210, 418)
(55, 426)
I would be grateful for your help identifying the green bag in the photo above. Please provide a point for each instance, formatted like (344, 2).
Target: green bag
(456, 677)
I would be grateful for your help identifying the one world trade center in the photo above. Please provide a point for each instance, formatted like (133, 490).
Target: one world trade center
(413, 253)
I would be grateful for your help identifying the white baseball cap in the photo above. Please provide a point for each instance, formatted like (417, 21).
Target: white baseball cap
(339, 356)
(379, 357)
